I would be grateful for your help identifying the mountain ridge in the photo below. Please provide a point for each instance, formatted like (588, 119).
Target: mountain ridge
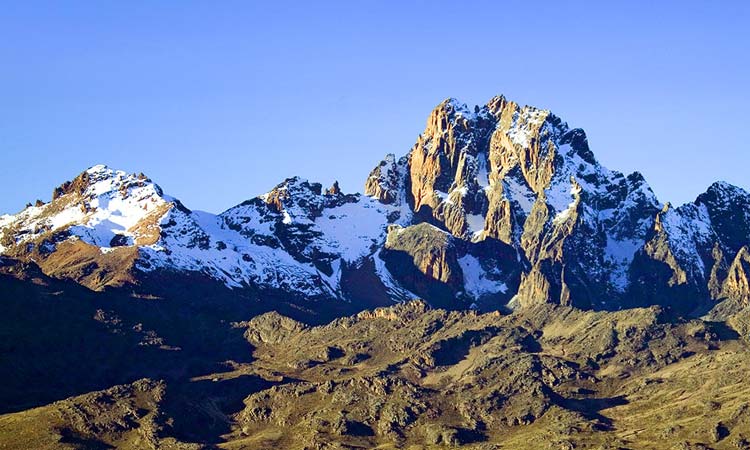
(500, 179)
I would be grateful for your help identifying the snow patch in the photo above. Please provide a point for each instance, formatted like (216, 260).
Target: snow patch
(475, 223)
(519, 193)
(352, 229)
(619, 254)
(476, 281)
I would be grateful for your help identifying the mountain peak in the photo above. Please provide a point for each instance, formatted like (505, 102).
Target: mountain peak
(101, 206)
(723, 188)
(456, 106)
(292, 193)
(724, 196)
(101, 179)
(97, 168)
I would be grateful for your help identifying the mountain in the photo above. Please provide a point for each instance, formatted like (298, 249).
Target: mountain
(498, 206)
(496, 287)
(572, 231)
(107, 228)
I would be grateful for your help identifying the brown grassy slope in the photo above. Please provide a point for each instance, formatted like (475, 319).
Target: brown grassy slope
(413, 377)
(544, 378)
(124, 416)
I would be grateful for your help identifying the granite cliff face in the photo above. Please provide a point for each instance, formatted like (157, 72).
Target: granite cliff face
(521, 177)
(582, 235)
(494, 206)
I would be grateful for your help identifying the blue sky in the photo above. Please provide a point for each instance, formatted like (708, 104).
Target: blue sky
(220, 101)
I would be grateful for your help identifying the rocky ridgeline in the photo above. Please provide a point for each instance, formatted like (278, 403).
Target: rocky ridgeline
(579, 234)
(494, 206)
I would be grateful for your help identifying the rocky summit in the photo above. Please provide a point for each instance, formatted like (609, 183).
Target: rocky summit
(495, 287)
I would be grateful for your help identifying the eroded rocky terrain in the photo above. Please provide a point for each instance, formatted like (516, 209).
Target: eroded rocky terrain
(409, 376)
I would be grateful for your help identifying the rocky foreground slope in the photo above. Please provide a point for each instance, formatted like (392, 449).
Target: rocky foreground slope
(558, 305)
(413, 377)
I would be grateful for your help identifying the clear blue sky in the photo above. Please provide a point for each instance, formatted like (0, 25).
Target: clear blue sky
(219, 101)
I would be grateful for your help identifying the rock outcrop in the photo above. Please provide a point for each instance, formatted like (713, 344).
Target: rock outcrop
(385, 182)
(425, 260)
(736, 286)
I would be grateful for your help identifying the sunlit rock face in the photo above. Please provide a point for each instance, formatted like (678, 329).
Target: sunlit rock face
(583, 235)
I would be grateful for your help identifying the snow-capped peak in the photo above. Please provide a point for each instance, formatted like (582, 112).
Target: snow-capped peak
(101, 206)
